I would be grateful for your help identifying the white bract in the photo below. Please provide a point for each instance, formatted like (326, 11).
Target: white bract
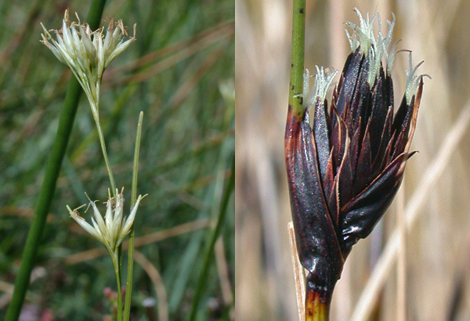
(86, 52)
(113, 228)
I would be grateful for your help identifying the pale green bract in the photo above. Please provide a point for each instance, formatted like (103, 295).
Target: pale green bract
(113, 228)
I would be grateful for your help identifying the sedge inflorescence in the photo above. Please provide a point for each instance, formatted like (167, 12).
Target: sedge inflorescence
(113, 228)
(88, 53)
(344, 170)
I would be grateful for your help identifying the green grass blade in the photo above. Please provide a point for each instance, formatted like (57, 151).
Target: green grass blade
(210, 249)
(130, 253)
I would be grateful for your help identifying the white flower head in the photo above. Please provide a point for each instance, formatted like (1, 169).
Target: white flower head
(87, 53)
(374, 47)
(113, 228)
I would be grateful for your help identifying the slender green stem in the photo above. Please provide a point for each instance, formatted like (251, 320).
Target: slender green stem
(119, 289)
(210, 249)
(119, 255)
(297, 62)
(105, 155)
(46, 195)
(130, 254)
(117, 259)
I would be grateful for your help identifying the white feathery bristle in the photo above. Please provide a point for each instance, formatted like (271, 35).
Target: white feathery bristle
(374, 47)
(412, 80)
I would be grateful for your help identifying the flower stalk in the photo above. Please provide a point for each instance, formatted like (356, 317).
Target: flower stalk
(105, 156)
(117, 270)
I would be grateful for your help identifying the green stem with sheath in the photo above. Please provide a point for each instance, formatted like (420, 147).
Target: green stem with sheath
(317, 303)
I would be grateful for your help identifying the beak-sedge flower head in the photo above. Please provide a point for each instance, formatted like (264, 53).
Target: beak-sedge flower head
(113, 228)
(87, 53)
(345, 170)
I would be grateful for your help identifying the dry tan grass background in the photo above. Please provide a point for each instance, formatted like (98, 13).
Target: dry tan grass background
(425, 277)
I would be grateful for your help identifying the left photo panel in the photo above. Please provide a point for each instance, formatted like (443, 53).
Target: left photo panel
(117, 171)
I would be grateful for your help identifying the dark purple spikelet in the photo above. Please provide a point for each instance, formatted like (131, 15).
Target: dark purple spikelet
(345, 170)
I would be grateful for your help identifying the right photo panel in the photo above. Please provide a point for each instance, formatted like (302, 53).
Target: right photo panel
(352, 160)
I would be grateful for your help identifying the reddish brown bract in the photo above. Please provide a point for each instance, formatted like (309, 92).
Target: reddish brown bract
(344, 172)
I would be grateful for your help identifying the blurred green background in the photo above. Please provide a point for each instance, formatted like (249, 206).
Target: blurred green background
(180, 73)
